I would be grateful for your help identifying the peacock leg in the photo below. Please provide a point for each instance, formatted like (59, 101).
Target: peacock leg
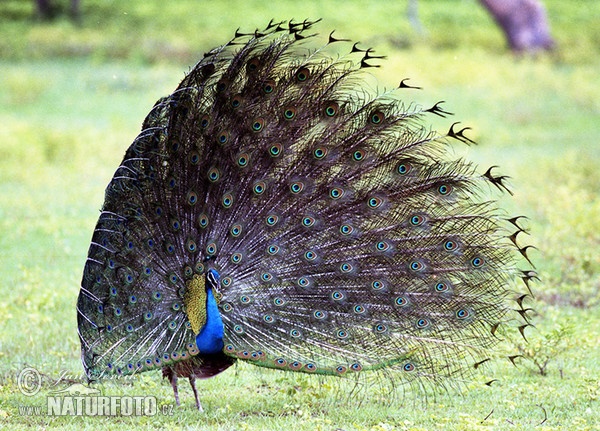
(193, 383)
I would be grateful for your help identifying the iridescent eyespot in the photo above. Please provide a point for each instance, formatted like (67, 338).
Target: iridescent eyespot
(374, 202)
(359, 309)
(173, 278)
(450, 245)
(272, 220)
(236, 257)
(275, 150)
(289, 113)
(266, 276)
(422, 323)
(380, 328)
(376, 117)
(252, 65)
(340, 369)
(242, 160)
(269, 86)
(147, 316)
(204, 121)
(258, 124)
(320, 152)
(273, 249)
(401, 301)
(342, 334)
(310, 255)
(302, 74)
(227, 200)
(462, 314)
(303, 282)
(203, 220)
(259, 188)
(417, 220)
(404, 168)
(226, 307)
(118, 312)
(213, 174)
(444, 189)
(442, 287)
(319, 314)
(377, 285)
(356, 367)
(172, 182)
(236, 101)
(170, 248)
(417, 266)
(331, 109)
(192, 198)
(346, 229)
(245, 299)
(278, 302)
(308, 221)
(194, 158)
(190, 245)
(382, 246)
(477, 262)
(358, 155)
(226, 281)
(346, 267)
(176, 307)
(175, 225)
(296, 187)
(236, 230)
(295, 333)
(408, 367)
(221, 86)
(157, 296)
(268, 318)
(211, 249)
(223, 137)
(336, 295)
(336, 193)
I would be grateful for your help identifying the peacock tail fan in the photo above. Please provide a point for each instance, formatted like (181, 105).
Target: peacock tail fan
(275, 210)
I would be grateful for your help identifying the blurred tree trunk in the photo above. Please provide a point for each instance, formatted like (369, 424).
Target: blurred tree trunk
(48, 9)
(524, 23)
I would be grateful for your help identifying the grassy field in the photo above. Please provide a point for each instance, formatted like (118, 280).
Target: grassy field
(72, 98)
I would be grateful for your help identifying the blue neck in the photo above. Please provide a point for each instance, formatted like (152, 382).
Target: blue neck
(210, 338)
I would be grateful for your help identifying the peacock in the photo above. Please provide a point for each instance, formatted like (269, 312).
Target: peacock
(276, 210)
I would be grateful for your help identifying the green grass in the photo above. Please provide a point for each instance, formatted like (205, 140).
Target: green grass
(72, 98)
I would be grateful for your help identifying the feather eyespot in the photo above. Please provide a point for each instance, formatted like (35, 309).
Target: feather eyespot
(319, 153)
(477, 262)
(358, 155)
(376, 118)
(404, 168)
(192, 198)
(302, 74)
(275, 150)
(258, 124)
(204, 121)
(346, 229)
(211, 249)
(227, 200)
(289, 113)
(236, 101)
(253, 65)
(331, 109)
(336, 193)
(236, 230)
(259, 188)
(213, 174)
(203, 220)
(243, 160)
(268, 86)
(272, 220)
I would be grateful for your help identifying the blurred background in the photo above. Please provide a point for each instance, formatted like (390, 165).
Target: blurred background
(78, 77)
